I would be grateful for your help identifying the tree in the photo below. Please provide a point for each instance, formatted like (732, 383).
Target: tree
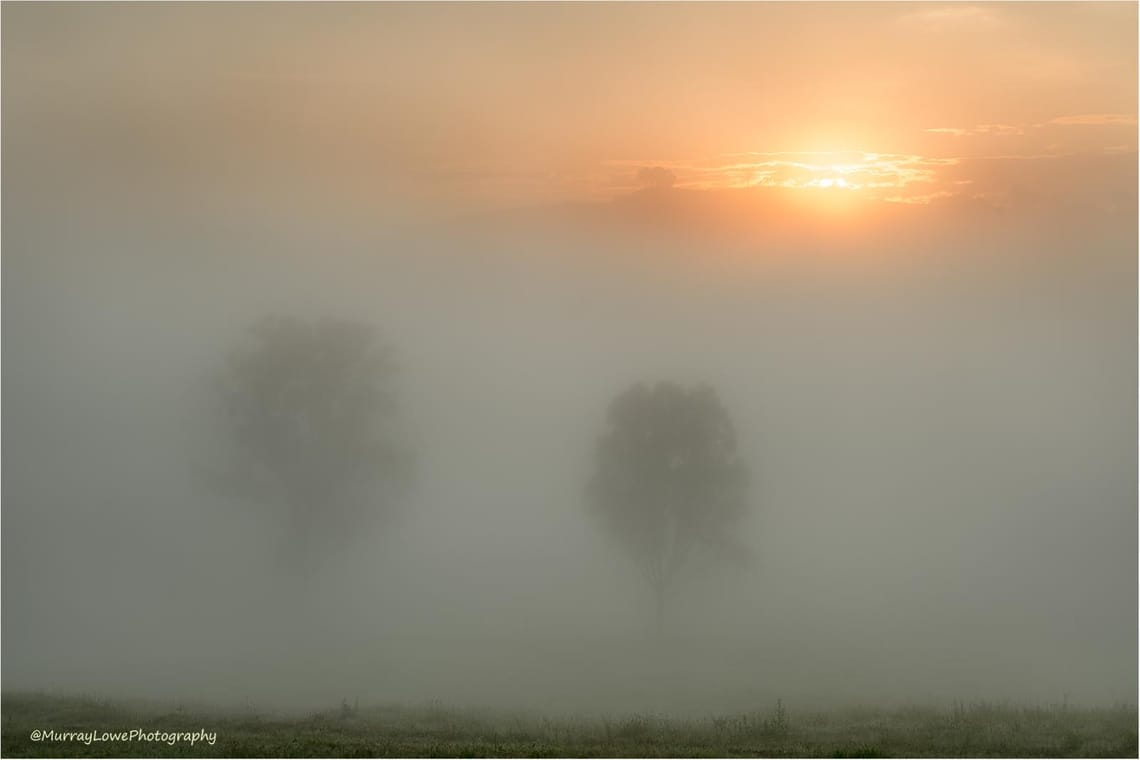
(668, 480)
(309, 410)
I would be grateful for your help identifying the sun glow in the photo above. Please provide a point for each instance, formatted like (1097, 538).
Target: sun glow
(827, 182)
(819, 177)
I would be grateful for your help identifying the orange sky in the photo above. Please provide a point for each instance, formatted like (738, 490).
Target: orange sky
(444, 105)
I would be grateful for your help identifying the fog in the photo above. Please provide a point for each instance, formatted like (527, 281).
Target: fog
(943, 454)
(939, 412)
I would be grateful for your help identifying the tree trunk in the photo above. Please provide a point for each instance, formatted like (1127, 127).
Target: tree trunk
(659, 594)
(299, 545)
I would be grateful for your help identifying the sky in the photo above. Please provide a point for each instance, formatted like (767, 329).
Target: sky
(898, 239)
(446, 106)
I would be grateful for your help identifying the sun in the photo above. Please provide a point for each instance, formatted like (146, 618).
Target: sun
(829, 182)
(835, 190)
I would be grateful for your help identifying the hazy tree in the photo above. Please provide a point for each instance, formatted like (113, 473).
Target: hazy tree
(668, 480)
(309, 410)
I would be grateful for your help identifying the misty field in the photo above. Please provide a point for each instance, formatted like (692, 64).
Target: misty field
(531, 379)
(436, 730)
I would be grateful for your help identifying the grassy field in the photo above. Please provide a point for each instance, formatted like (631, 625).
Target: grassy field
(433, 730)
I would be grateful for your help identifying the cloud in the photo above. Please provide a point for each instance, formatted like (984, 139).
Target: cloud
(1004, 130)
(1100, 177)
(656, 177)
(853, 170)
(956, 132)
(956, 16)
(1095, 119)
(1082, 120)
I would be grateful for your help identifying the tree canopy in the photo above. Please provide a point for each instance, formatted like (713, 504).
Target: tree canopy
(309, 408)
(668, 479)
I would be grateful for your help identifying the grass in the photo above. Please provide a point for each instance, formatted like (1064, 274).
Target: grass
(433, 730)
